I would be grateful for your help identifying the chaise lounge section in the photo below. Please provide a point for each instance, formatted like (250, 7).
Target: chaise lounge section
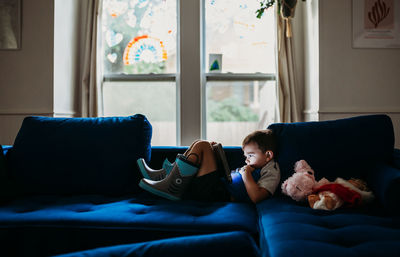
(70, 187)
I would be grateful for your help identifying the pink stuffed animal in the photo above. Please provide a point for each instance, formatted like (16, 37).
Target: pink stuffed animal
(302, 182)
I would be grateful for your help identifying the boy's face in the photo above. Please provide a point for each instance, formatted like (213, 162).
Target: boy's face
(255, 157)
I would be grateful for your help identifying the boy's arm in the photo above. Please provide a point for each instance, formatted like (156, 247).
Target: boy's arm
(255, 192)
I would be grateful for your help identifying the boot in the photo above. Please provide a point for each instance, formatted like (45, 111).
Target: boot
(148, 172)
(167, 166)
(160, 174)
(174, 184)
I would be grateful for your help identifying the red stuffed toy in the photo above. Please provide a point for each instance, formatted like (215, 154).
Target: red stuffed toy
(346, 193)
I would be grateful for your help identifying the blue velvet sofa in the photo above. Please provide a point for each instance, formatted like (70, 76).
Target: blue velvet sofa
(69, 187)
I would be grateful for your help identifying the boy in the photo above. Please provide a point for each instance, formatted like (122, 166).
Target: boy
(195, 174)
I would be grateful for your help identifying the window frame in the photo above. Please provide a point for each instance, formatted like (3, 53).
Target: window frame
(190, 98)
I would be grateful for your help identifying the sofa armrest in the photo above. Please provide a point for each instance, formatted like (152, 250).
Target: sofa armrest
(396, 158)
(384, 181)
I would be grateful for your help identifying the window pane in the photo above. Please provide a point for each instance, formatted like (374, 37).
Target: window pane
(236, 108)
(139, 36)
(156, 100)
(246, 43)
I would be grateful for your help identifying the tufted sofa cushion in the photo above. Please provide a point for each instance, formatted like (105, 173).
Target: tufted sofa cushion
(291, 229)
(44, 225)
(337, 148)
(79, 155)
(232, 244)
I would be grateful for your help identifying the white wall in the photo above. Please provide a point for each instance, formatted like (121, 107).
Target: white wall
(26, 75)
(352, 81)
(41, 77)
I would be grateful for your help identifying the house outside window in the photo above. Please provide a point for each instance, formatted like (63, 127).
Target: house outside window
(196, 69)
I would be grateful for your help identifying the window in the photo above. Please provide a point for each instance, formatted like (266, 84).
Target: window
(194, 68)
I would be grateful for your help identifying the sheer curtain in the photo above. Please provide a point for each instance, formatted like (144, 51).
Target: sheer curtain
(289, 110)
(90, 85)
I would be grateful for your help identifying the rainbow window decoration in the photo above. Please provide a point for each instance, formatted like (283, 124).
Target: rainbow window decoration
(144, 48)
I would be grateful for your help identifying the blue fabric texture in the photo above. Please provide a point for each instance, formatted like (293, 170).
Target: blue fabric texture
(7, 188)
(80, 155)
(81, 197)
(48, 225)
(384, 180)
(339, 148)
(288, 228)
(396, 158)
(230, 244)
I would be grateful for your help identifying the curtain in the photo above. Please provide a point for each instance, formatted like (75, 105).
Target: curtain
(90, 85)
(287, 82)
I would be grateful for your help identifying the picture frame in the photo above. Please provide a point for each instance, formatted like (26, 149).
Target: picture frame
(10, 24)
(376, 23)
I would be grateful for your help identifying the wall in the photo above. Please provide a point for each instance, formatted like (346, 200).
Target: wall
(351, 81)
(40, 78)
(26, 75)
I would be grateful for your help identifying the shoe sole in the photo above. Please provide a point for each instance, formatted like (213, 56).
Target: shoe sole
(148, 188)
(221, 158)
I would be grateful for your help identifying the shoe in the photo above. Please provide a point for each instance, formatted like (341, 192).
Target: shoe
(167, 166)
(150, 173)
(222, 162)
(175, 183)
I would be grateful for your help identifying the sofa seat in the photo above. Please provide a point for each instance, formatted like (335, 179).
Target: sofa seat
(43, 225)
(289, 228)
(232, 244)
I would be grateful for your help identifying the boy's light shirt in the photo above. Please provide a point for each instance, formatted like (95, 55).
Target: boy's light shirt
(270, 176)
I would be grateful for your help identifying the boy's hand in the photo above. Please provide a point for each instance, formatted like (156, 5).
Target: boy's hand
(246, 169)
(255, 192)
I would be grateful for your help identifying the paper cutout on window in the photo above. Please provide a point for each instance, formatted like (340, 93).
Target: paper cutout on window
(112, 57)
(113, 38)
(130, 18)
(116, 8)
(145, 48)
(139, 3)
(214, 66)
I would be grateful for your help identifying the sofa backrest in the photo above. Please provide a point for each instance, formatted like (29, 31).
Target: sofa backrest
(79, 155)
(338, 148)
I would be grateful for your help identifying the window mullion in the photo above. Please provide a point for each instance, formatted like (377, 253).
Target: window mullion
(190, 71)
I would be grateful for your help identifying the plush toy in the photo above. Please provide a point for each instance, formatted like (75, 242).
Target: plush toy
(302, 182)
(347, 193)
(325, 195)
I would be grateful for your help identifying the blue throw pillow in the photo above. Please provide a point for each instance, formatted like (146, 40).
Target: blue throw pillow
(80, 155)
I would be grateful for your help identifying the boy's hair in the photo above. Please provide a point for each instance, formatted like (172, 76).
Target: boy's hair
(265, 140)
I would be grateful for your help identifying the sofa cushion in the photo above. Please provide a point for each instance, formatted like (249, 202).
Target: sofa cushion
(291, 229)
(237, 243)
(338, 148)
(80, 155)
(44, 225)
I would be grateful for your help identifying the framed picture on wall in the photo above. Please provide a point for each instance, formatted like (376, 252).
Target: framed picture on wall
(376, 23)
(10, 24)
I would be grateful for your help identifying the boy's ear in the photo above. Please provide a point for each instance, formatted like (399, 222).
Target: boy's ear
(269, 154)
